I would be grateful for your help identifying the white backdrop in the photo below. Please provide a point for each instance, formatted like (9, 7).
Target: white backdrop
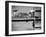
(2, 18)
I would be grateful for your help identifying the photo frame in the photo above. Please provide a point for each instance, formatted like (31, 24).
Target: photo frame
(24, 18)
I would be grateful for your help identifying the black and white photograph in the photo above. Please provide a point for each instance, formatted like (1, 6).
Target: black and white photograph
(25, 18)
(30, 18)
